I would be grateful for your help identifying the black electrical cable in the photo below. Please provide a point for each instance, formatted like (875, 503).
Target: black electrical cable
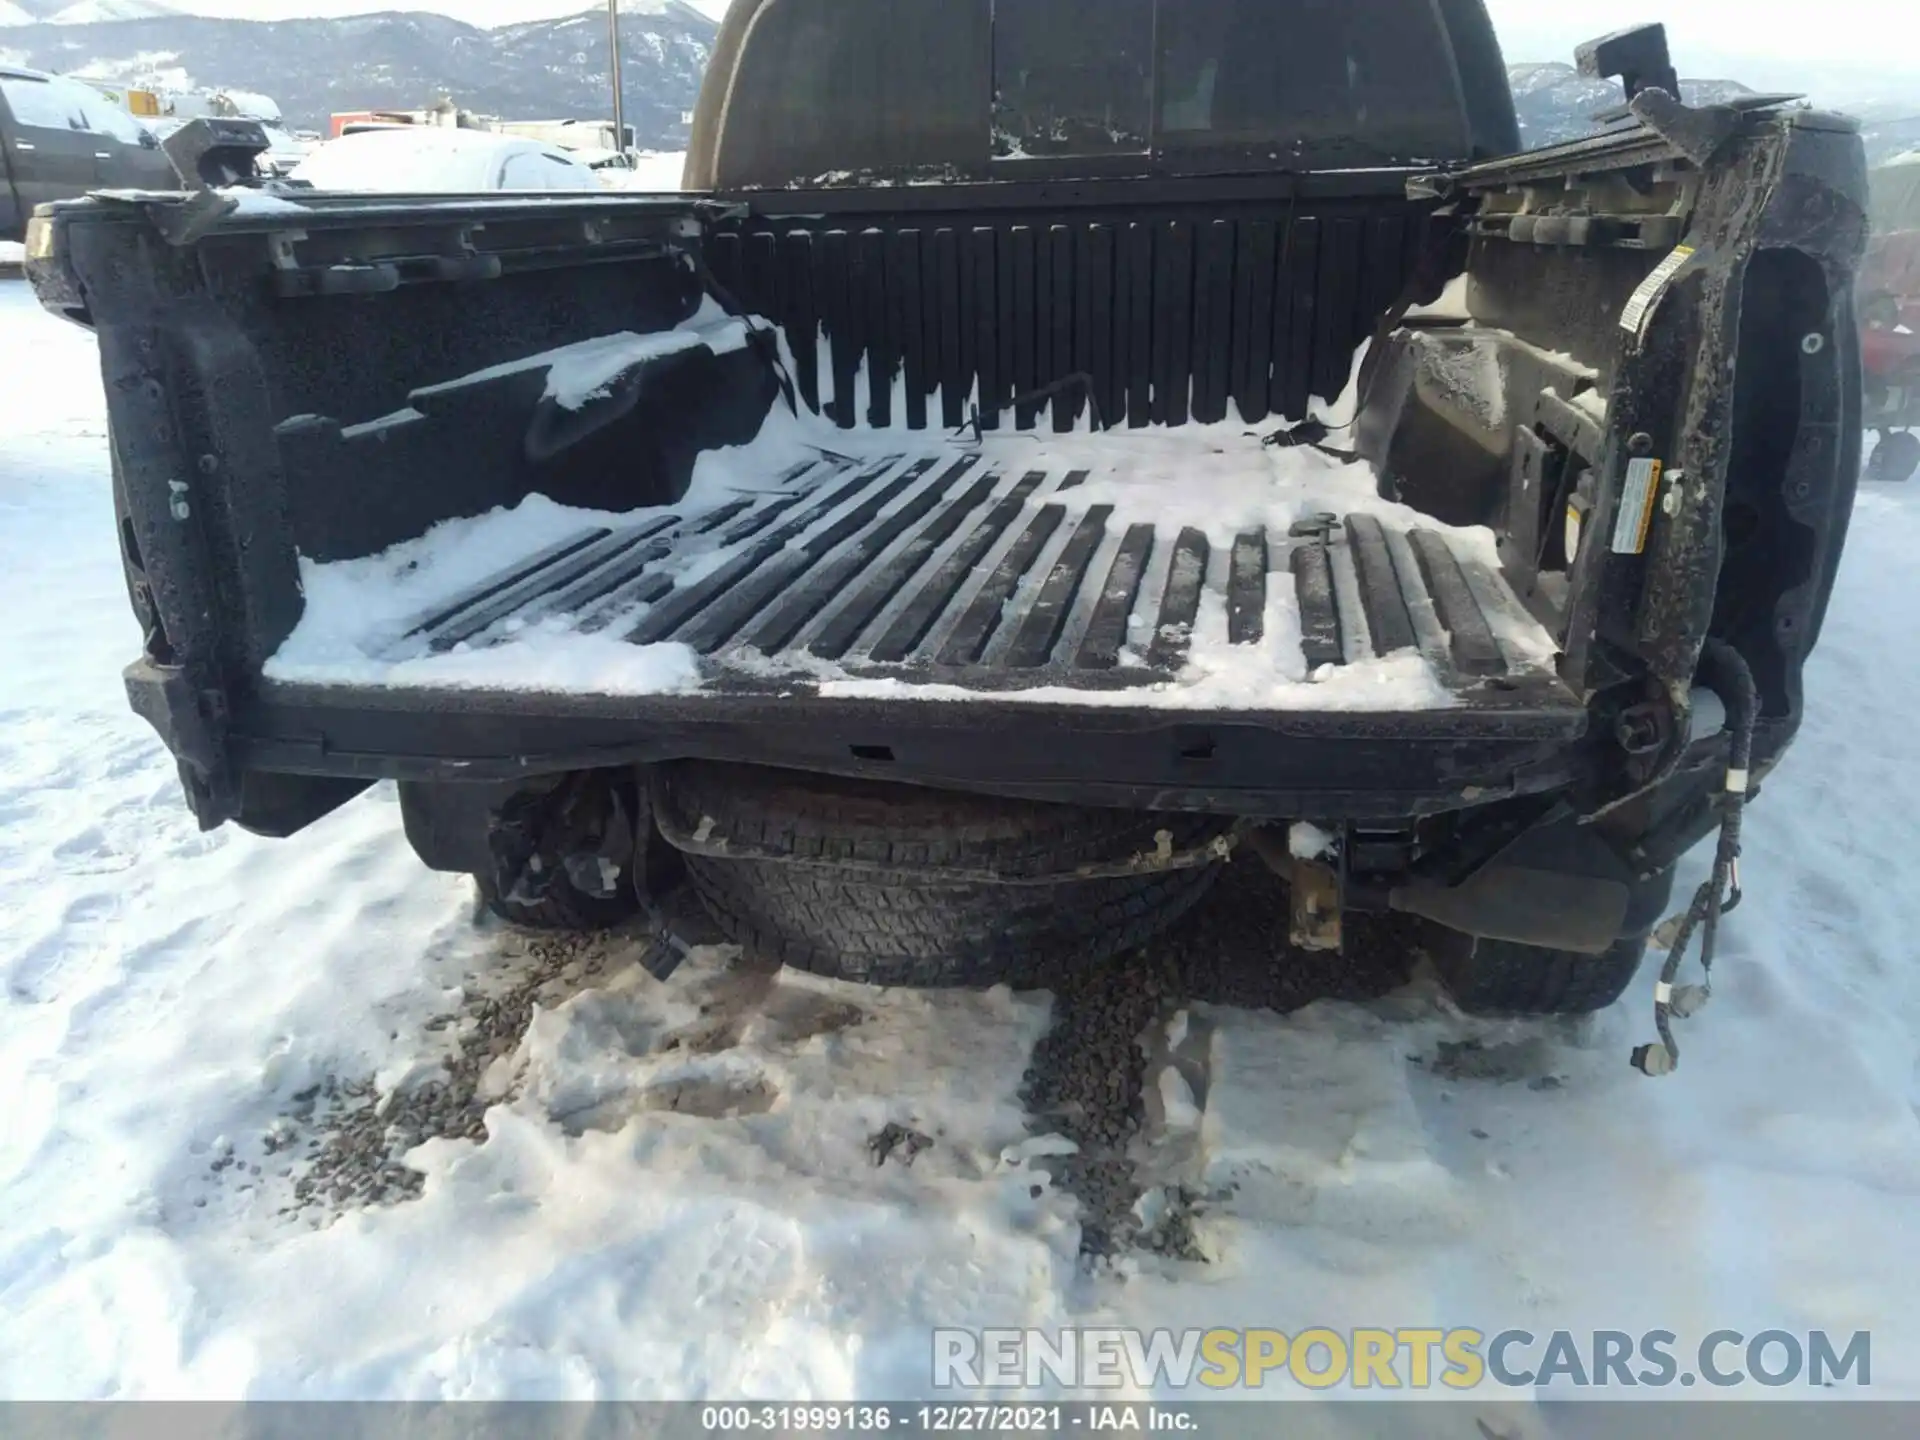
(1725, 671)
(765, 338)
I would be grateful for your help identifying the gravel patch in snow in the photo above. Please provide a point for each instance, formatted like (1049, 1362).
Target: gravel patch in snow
(1089, 1075)
(362, 1131)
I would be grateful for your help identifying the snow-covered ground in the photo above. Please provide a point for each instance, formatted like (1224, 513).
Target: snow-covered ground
(668, 1190)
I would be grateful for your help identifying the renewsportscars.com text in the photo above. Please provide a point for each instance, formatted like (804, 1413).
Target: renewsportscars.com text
(1412, 1359)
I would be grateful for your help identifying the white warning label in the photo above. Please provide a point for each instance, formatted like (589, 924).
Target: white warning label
(1636, 507)
(1633, 319)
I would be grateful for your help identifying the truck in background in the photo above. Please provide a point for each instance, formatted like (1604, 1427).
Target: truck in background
(60, 138)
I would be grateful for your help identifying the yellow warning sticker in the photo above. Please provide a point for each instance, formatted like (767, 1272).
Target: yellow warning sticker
(1637, 499)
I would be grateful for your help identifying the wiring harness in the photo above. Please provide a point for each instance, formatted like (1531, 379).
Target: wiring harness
(1723, 668)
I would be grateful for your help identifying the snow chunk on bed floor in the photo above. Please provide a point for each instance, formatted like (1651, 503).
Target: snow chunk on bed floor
(357, 609)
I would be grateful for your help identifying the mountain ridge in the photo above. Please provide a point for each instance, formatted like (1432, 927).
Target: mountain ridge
(398, 60)
(84, 12)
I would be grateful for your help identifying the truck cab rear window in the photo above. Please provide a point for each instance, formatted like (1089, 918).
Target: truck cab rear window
(1246, 75)
(835, 92)
(1072, 77)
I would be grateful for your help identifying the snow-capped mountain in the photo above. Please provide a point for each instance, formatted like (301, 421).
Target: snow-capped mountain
(313, 68)
(1556, 102)
(81, 12)
(95, 12)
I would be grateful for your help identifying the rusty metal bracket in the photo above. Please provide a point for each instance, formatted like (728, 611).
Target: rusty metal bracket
(1318, 892)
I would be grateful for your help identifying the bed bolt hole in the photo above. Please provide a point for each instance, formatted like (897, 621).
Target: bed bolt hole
(882, 753)
(1813, 342)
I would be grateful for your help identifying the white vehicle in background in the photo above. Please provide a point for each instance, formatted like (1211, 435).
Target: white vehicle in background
(579, 137)
(422, 159)
(287, 150)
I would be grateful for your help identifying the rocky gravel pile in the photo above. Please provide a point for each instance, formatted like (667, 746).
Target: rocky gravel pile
(1088, 1071)
(356, 1138)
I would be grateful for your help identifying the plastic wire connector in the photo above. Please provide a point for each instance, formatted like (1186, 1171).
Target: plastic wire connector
(1655, 1060)
(1688, 1001)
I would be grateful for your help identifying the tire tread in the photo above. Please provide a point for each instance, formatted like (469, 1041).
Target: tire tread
(1497, 977)
(902, 922)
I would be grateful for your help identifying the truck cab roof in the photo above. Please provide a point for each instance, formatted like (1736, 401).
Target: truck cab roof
(807, 94)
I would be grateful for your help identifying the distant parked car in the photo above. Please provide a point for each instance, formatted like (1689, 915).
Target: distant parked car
(60, 138)
(421, 159)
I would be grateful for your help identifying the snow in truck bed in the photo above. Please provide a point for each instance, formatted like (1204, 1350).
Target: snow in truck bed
(1075, 598)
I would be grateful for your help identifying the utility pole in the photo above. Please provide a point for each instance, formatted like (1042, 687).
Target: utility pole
(619, 89)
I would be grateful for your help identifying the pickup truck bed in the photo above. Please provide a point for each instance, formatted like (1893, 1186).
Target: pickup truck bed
(1083, 571)
(967, 524)
(1186, 617)
(911, 537)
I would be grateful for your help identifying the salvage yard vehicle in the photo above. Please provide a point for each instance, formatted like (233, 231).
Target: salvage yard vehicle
(940, 533)
(420, 159)
(1890, 320)
(60, 138)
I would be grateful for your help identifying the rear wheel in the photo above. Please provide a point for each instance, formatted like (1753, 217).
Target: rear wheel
(1895, 458)
(565, 854)
(881, 883)
(566, 904)
(1498, 977)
